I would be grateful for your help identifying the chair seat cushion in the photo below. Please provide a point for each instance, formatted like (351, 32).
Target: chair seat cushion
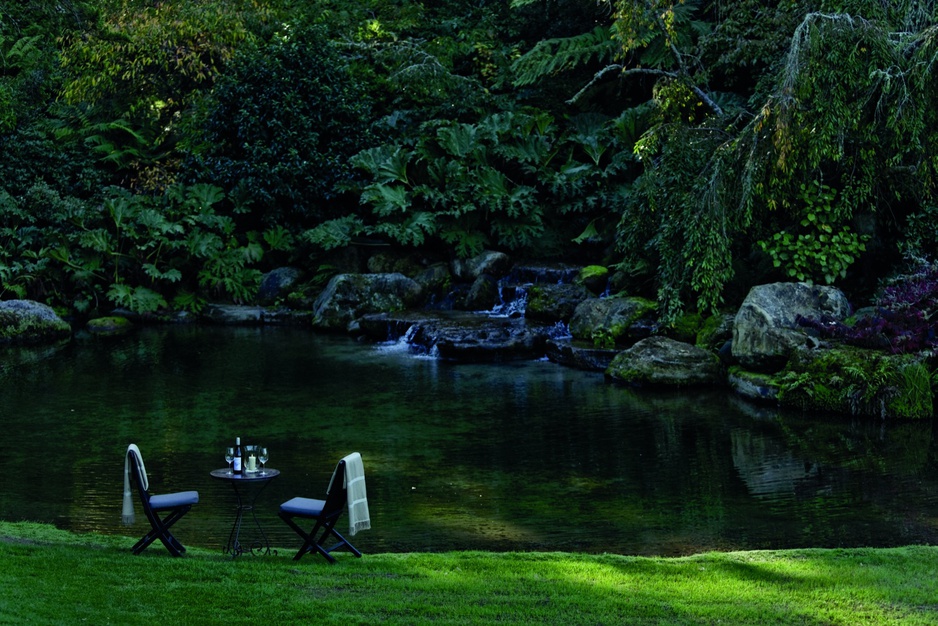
(303, 506)
(166, 501)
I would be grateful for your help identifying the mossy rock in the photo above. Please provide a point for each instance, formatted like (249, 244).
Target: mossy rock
(715, 331)
(660, 361)
(613, 321)
(112, 325)
(595, 278)
(24, 322)
(753, 385)
(857, 381)
(686, 327)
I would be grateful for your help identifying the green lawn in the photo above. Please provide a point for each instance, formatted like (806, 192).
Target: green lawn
(49, 576)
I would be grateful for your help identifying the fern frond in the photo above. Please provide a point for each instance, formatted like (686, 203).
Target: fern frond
(557, 55)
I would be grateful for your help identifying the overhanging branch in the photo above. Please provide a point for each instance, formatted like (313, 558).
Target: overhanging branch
(624, 73)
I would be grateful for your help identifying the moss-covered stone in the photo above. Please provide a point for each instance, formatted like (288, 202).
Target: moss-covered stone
(594, 277)
(613, 321)
(661, 361)
(112, 325)
(857, 381)
(686, 327)
(753, 385)
(715, 331)
(24, 322)
(554, 303)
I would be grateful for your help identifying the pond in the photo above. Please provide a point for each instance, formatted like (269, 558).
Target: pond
(512, 456)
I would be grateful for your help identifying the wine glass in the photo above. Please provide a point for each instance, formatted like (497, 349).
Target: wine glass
(229, 457)
(262, 456)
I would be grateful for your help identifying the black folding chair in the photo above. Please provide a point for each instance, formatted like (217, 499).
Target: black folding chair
(176, 504)
(326, 513)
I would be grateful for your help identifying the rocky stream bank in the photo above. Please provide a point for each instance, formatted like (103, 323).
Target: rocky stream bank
(491, 309)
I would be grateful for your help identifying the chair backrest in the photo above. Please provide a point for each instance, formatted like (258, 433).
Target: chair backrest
(135, 464)
(337, 497)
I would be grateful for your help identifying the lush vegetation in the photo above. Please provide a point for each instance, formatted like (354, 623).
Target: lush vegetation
(56, 578)
(159, 154)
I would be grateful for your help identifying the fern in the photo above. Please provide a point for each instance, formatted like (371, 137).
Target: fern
(552, 56)
(335, 233)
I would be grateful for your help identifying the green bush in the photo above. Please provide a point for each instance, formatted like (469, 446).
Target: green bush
(280, 126)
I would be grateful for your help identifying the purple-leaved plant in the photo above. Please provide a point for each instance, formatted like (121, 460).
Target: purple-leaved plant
(904, 319)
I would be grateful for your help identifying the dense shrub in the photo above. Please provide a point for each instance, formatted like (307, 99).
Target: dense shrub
(280, 127)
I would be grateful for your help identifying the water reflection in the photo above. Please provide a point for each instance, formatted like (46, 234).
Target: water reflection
(527, 456)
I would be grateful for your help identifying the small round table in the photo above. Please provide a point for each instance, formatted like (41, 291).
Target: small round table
(247, 486)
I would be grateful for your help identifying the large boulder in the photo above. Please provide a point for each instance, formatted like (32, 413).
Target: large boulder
(554, 302)
(25, 322)
(277, 284)
(494, 264)
(613, 320)
(660, 361)
(766, 329)
(348, 297)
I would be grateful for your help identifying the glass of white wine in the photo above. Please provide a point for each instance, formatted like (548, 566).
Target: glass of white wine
(229, 457)
(262, 456)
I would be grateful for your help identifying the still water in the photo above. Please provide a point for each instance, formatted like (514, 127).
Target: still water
(514, 456)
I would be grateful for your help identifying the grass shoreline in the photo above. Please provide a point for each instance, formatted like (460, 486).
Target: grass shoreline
(51, 576)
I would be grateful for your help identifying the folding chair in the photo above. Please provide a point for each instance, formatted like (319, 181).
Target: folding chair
(176, 504)
(326, 513)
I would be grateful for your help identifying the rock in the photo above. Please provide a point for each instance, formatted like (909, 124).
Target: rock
(25, 322)
(529, 273)
(766, 331)
(501, 339)
(614, 320)
(233, 314)
(663, 361)
(277, 284)
(482, 295)
(553, 302)
(348, 297)
(753, 385)
(459, 335)
(495, 264)
(716, 332)
(112, 325)
(579, 355)
(595, 278)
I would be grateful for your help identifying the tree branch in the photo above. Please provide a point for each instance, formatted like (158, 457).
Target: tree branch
(624, 73)
(596, 78)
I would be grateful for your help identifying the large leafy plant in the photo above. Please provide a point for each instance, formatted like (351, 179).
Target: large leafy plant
(136, 251)
(513, 180)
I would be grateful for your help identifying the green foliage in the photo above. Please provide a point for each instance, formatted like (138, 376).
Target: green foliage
(824, 250)
(499, 182)
(550, 56)
(280, 127)
(858, 382)
(135, 251)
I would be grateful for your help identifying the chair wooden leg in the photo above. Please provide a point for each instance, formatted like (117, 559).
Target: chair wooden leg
(160, 530)
(312, 544)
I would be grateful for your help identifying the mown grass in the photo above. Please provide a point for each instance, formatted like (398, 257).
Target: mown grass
(49, 576)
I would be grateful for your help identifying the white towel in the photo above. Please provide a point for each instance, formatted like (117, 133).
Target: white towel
(358, 516)
(127, 515)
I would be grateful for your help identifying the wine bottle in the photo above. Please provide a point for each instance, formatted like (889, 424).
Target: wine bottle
(237, 456)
